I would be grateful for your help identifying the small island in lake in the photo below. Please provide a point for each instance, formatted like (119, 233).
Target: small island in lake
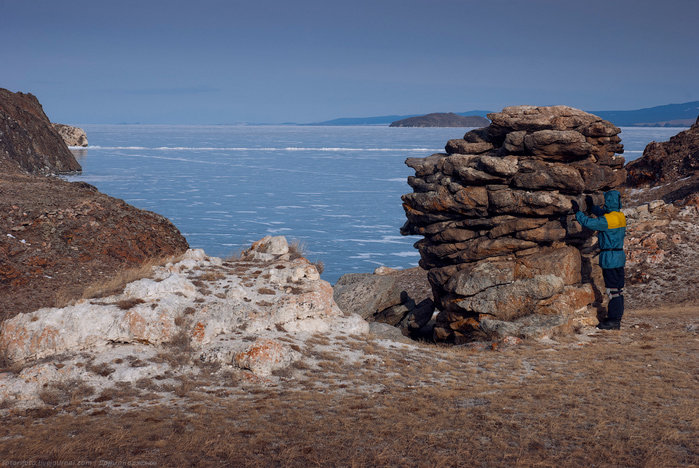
(448, 119)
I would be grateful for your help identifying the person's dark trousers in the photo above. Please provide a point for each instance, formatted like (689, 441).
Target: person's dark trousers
(614, 281)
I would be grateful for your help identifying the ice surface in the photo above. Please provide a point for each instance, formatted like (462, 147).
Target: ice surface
(335, 189)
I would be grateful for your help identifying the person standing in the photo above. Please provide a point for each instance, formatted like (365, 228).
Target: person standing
(610, 223)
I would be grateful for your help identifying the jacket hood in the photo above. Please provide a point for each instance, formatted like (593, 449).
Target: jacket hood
(612, 201)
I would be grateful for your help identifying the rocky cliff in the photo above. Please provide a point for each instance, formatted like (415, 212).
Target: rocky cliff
(442, 120)
(29, 144)
(58, 238)
(503, 251)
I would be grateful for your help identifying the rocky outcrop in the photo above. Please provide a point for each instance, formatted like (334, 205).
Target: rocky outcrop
(442, 120)
(72, 136)
(29, 144)
(668, 161)
(249, 317)
(502, 248)
(194, 301)
(59, 238)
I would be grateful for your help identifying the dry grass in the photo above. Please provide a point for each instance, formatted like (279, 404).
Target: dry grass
(627, 398)
(211, 276)
(102, 369)
(66, 393)
(296, 249)
(124, 304)
(116, 284)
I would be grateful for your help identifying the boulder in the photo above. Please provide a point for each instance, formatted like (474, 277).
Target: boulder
(512, 300)
(365, 294)
(557, 145)
(395, 314)
(573, 302)
(384, 331)
(565, 262)
(537, 175)
(267, 248)
(477, 277)
(529, 327)
(417, 318)
(460, 146)
(265, 355)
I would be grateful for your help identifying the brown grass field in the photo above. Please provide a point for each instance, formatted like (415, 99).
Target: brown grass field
(624, 398)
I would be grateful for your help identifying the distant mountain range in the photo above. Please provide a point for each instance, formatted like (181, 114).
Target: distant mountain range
(671, 115)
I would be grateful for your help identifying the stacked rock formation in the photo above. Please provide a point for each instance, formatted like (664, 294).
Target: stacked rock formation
(503, 250)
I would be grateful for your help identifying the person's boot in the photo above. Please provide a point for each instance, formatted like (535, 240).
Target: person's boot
(610, 325)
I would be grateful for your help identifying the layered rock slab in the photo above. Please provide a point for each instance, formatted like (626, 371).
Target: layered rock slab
(499, 239)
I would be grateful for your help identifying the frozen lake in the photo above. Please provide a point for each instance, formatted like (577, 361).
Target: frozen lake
(335, 189)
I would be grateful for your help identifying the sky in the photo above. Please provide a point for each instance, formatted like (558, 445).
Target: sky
(303, 61)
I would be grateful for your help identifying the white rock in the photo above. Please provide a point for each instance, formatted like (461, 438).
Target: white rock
(265, 356)
(273, 245)
(350, 325)
(655, 204)
(263, 300)
(195, 254)
(384, 270)
(152, 288)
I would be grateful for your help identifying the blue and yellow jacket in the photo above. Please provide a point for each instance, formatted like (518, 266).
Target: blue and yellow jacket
(611, 224)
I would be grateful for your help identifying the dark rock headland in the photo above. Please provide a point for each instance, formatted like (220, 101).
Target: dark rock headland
(29, 144)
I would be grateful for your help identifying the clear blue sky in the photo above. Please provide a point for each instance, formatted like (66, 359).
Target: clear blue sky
(274, 61)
